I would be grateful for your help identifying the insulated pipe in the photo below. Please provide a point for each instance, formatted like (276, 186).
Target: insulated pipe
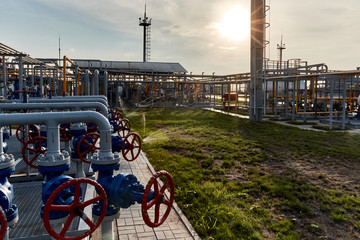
(52, 121)
(4, 76)
(76, 82)
(41, 80)
(51, 106)
(96, 82)
(84, 96)
(87, 79)
(106, 84)
(74, 101)
(21, 70)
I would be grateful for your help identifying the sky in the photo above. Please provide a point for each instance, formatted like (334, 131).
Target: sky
(210, 36)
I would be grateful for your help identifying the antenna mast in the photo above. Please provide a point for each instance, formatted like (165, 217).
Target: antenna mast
(281, 47)
(146, 24)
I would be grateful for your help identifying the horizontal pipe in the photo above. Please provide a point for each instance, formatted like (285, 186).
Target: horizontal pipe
(73, 100)
(51, 106)
(52, 121)
(82, 96)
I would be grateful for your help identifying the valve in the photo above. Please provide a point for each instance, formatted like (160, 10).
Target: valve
(3, 222)
(116, 109)
(65, 134)
(158, 199)
(124, 127)
(6, 135)
(87, 144)
(91, 127)
(33, 131)
(7, 167)
(39, 147)
(131, 147)
(67, 198)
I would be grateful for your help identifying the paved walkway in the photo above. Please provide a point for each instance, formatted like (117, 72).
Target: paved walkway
(130, 224)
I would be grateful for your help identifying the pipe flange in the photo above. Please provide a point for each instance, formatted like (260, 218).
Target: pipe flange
(6, 161)
(53, 160)
(105, 159)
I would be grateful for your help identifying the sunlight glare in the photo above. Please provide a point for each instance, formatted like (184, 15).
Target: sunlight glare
(235, 24)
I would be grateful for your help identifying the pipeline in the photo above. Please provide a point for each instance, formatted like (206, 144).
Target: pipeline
(56, 105)
(75, 101)
(52, 120)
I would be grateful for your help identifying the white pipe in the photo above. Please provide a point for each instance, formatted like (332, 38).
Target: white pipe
(50, 106)
(52, 121)
(96, 82)
(83, 96)
(73, 100)
(106, 79)
(87, 79)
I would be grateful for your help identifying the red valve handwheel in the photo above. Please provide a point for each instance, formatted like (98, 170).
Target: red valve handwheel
(75, 209)
(118, 115)
(117, 109)
(124, 128)
(65, 135)
(158, 199)
(133, 142)
(3, 223)
(37, 149)
(91, 145)
(92, 128)
(33, 131)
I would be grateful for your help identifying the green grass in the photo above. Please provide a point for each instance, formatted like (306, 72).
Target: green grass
(233, 179)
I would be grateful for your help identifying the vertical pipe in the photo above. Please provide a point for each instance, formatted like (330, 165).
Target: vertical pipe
(331, 102)
(41, 80)
(96, 82)
(344, 105)
(276, 96)
(286, 85)
(297, 94)
(4, 76)
(64, 76)
(305, 98)
(229, 96)
(76, 81)
(87, 82)
(257, 55)
(21, 69)
(106, 75)
(293, 101)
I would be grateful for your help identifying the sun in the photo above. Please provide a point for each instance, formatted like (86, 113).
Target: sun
(235, 24)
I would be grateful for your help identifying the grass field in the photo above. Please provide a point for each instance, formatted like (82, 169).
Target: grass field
(236, 179)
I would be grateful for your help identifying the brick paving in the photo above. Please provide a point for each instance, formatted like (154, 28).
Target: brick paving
(130, 224)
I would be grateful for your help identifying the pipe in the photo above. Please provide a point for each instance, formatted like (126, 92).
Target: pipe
(64, 76)
(21, 67)
(51, 106)
(87, 77)
(4, 76)
(96, 82)
(106, 84)
(52, 120)
(74, 101)
(84, 96)
(41, 81)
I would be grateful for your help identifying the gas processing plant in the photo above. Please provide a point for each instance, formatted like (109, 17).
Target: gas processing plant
(65, 145)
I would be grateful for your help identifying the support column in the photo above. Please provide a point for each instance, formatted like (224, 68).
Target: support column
(41, 81)
(21, 70)
(106, 76)
(4, 93)
(257, 55)
(331, 103)
(344, 105)
(76, 82)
